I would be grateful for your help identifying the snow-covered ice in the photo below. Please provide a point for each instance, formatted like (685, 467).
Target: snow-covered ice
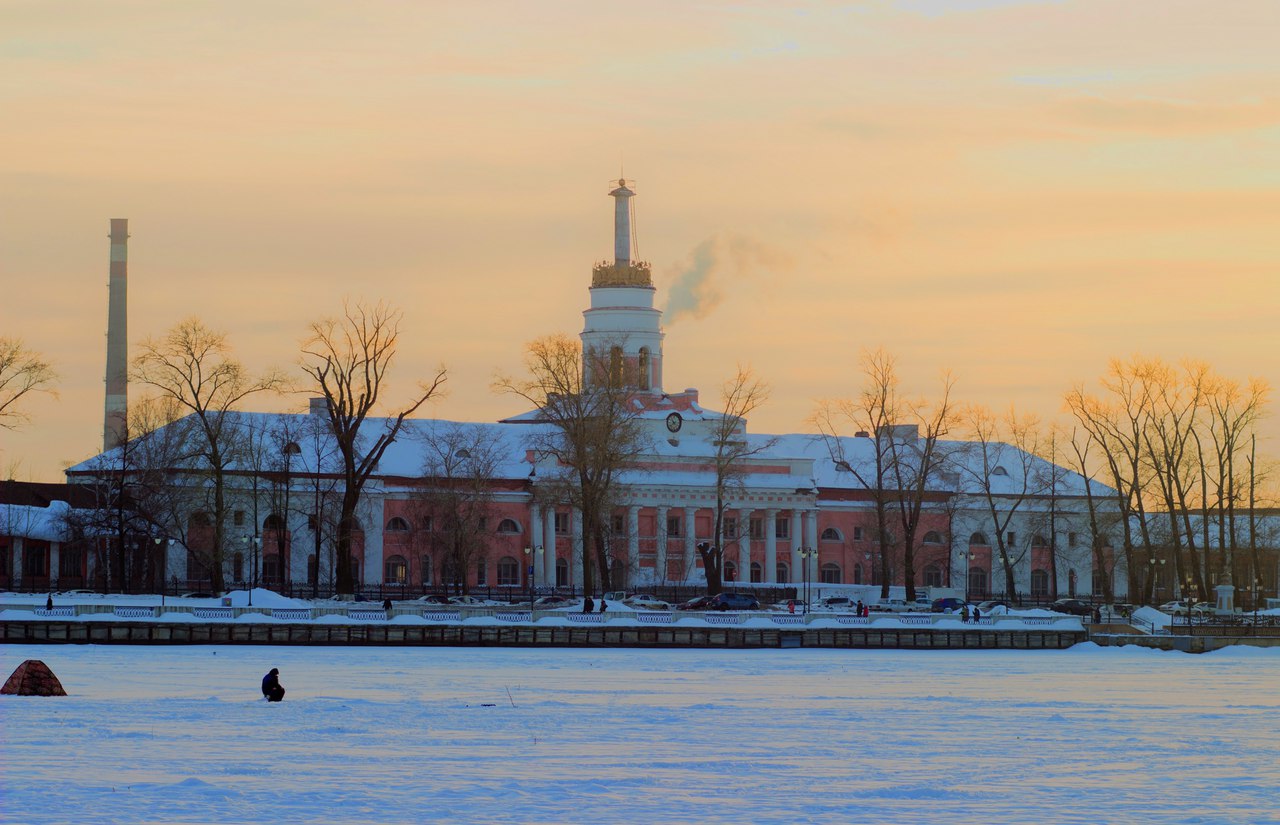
(461, 735)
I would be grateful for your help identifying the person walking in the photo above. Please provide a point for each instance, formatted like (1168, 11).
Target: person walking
(603, 605)
(271, 687)
(977, 614)
(386, 605)
(964, 613)
(588, 605)
(48, 603)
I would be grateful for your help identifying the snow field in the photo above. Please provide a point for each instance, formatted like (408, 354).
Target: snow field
(459, 735)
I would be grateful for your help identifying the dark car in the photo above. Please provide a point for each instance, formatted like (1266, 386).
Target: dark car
(947, 605)
(431, 598)
(1073, 607)
(699, 603)
(733, 601)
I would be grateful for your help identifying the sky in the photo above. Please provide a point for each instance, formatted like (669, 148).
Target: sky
(1013, 191)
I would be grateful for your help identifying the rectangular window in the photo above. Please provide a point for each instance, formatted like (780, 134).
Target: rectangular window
(619, 524)
(562, 524)
(428, 523)
(482, 574)
(35, 560)
(1011, 539)
(239, 518)
(757, 528)
(673, 525)
(782, 529)
(730, 527)
(1071, 539)
(857, 534)
(426, 570)
(70, 563)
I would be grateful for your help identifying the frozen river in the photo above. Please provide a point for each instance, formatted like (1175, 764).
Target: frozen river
(462, 735)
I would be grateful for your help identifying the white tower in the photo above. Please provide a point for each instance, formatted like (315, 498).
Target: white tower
(623, 332)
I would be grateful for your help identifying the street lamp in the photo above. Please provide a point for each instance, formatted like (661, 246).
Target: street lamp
(1189, 592)
(1156, 564)
(253, 542)
(807, 553)
(967, 557)
(534, 555)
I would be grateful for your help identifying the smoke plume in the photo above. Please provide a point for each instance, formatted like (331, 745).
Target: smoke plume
(698, 286)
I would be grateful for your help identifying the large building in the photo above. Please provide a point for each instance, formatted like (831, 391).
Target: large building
(800, 509)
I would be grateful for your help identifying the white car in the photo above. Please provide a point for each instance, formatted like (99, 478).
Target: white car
(644, 602)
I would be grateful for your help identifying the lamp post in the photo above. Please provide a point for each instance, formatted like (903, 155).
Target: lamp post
(533, 554)
(806, 553)
(1189, 593)
(967, 557)
(1156, 564)
(253, 542)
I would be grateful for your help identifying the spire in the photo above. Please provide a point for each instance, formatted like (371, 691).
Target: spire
(114, 429)
(622, 223)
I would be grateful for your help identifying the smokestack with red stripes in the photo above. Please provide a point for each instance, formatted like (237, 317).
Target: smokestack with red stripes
(114, 421)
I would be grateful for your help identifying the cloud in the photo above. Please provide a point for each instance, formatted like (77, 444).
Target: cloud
(716, 262)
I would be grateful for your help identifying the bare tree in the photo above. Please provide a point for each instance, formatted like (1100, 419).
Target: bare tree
(740, 396)
(595, 437)
(348, 359)
(459, 468)
(193, 367)
(906, 461)
(21, 372)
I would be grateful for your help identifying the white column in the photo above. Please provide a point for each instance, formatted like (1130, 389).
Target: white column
(744, 545)
(690, 539)
(534, 536)
(549, 547)
(55, 554)
(15, 560)
(797, 563)
(579, 547)
(633, 545)
(661, 560)
(770, 547)
(811, 541)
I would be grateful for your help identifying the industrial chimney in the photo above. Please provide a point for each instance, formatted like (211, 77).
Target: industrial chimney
(114, 421)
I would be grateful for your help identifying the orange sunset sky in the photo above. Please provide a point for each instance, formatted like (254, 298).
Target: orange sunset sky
(1017, 191)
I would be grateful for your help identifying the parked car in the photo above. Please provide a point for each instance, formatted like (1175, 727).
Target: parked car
(549, 602)
(894, 606)
(196, 594)
(734, 601)
(432, 598)
(472, 601)
(643, 602)
(835, 603)
(1073, 607)
(698, 603)
(947, 605)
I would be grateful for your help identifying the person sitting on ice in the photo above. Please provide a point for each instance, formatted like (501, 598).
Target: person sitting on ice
(271, 687)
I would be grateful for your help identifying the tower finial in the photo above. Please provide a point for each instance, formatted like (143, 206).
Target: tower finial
(622, 224)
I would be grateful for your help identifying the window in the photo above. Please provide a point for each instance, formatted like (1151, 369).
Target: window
(933, 537)
(70, 562)
(673, 525)
(857, 574)
(1011, 539)
(271, 569)
(508, 572)
(756, 528)
(425, 569)
(237, 567)
(783, 573)
(978, 538)
(857, 534)
(730, 528)
(1071, 539)
(508, 526)
(999, 471)
(782, 529)
(428, 523)
(484, 524)
(482, 573)
(313, 570)
(562, 524)
(397, 525)
(619, 524)
(933, 575)
(730, 571)
(273, 522)
(615, 367)
(830, 573)
(1038, 541)
(757, 572)
(395, 571)
(978, 581)
(239, 518)
(642, 369)
(1098, 581)
(562, 573)
(1039, 583)
(830, 534)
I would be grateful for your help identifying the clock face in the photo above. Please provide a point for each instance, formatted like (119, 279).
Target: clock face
(673, 422)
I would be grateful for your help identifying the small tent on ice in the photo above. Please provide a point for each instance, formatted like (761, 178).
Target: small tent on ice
(33, 678)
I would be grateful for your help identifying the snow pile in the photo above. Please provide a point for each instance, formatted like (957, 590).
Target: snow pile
(263, 598)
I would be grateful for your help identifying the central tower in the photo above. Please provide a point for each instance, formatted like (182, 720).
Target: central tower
(622, 331)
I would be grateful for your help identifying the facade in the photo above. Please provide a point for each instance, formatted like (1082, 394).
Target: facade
(800, 512)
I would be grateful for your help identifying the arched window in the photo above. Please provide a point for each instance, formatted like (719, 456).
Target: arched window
(642, 368)
(273, 522)
(933, 575)
(978, 538)
(271, 569)
(757, 572)
(999, 471)
(978, 581)
(396, 570)
(783, 573)
(397, 525)
(933, 537)
(1039, 541)
(508, 572)
(615, 367)
(508, 526)
(831, 534)
(830, 573)
(730, 571)
(1098, 581)
(1039, 583)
